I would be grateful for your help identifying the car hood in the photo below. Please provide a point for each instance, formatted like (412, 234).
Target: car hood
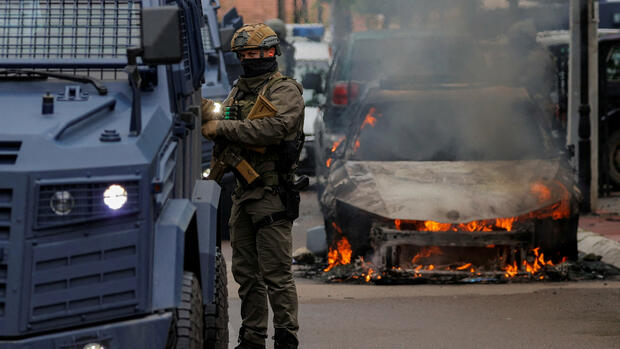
(449, 192)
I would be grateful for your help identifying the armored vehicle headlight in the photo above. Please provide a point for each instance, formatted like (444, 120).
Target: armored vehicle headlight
(206, 173)
(93, 346)
(62, 203)
(115, 196)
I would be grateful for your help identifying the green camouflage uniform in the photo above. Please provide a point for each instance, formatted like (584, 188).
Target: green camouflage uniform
(262, 257)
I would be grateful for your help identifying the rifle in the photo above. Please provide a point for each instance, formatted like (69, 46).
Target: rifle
(229, 159)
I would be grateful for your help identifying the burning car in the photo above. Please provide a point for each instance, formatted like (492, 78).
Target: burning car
(452, 177)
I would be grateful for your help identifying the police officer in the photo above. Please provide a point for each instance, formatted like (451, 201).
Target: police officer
(264, 114)
(286, 61)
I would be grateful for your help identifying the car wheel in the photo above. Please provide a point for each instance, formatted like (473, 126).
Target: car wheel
(614, 157)
(186, 331)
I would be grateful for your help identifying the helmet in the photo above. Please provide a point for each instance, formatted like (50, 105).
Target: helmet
(278, 26)
(255, 36)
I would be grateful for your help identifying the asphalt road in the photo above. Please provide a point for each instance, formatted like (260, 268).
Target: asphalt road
(538, 315)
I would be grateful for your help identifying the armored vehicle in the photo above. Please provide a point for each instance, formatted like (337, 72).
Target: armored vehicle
(108, 239)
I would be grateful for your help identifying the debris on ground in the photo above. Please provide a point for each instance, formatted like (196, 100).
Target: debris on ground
(587, 267)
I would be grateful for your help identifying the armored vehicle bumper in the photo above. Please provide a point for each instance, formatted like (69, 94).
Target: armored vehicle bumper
(147, 332)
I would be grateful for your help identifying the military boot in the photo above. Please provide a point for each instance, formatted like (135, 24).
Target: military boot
(245, 344)
(284, 340)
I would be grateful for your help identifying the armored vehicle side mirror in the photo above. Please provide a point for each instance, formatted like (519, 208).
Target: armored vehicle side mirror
(161, 35)
(313, 81)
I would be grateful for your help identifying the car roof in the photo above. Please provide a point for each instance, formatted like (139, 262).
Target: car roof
(562, 37)
(311, 51)
(446, 91)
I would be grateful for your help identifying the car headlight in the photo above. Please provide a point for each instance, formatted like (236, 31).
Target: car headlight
(62, 203)
(115, 196)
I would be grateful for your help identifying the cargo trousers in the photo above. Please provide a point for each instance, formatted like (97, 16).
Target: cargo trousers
(261, 264)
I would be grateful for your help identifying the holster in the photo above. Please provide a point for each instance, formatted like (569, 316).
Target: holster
(289, 194)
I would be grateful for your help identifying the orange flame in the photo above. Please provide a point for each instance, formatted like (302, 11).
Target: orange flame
(540, 190)
(425, 253)
(511, 270)
(339, 256)
(337, 143)
(371, 118)
(329, 162)
(463, 267)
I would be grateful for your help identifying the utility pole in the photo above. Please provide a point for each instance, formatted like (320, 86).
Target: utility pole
(282, 10)
(341, 17)
(582, 135)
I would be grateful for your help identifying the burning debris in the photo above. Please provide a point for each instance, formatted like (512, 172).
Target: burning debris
(535, 268)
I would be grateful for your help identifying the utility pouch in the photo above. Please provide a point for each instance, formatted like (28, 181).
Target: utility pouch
(262, 109)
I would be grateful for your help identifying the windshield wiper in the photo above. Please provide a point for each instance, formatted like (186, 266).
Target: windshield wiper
(19, 74)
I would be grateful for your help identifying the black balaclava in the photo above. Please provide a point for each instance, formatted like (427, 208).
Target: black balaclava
(258, 66)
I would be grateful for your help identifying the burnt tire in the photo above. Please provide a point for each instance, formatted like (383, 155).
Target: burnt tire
(613, 145)
(186, 331)
(216, 314)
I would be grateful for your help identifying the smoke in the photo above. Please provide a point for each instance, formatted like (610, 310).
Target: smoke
(485, 85)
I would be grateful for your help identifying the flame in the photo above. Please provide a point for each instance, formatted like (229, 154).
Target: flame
(336, 227)
(337, 143)
(369, 275)
(425, 253)
(557, 211)
(511, 270)
(463, 267)
(357, 145)
(371, 118)
(435, 226)
(328, 163)
(540, 190)
(531, 268)
(339, 256)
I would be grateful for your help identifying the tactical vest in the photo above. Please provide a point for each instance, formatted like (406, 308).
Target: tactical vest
(264, 161)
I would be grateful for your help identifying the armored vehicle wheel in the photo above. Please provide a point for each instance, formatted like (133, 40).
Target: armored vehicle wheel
(186, 331)
(216, 314)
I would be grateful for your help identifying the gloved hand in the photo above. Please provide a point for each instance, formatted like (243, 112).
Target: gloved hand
(208, 111)
(209, 129)
(231, 113)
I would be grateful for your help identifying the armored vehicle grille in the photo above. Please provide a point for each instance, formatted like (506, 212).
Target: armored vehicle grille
(86, 279)
(81, 203)
(6, 199)
(8, 152)
(69, 30)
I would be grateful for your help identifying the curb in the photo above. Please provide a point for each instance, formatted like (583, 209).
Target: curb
(589, 242)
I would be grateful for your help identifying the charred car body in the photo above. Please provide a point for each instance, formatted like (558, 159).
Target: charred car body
(449, 173)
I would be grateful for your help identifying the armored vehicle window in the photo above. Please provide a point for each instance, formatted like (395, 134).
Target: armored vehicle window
(70, 30)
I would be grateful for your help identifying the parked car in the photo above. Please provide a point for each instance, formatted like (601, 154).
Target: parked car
(470, 169)
(311, 65)
(609, 96)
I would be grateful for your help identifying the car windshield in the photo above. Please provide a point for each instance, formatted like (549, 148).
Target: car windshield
(73, 33)
(450, 127)
(437, 58)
